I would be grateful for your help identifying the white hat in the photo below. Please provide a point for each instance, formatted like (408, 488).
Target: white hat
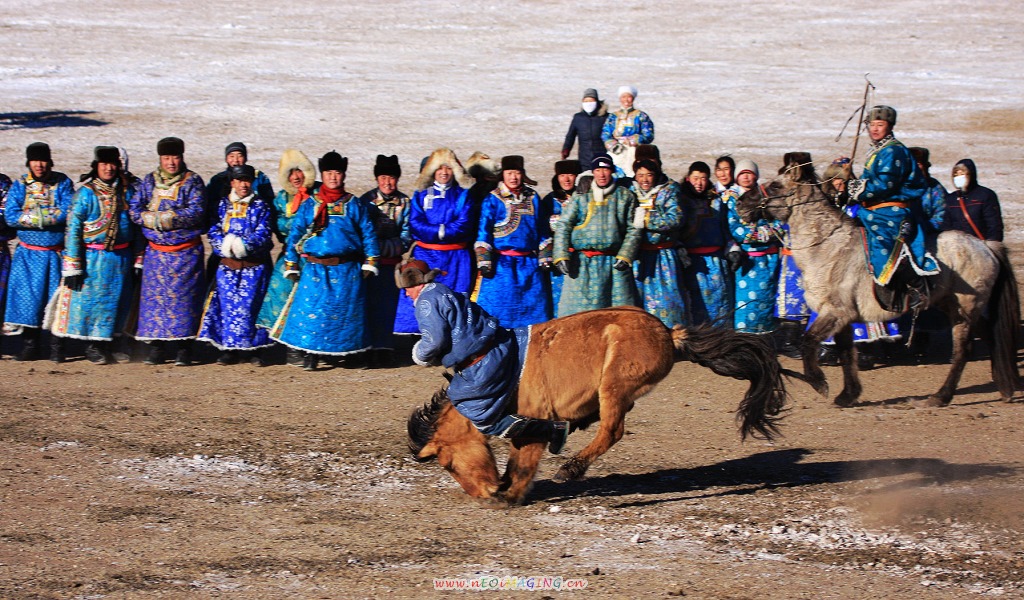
(627, 89)
(746, 165)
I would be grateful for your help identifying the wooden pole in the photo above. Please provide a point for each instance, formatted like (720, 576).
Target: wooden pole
(860, 120)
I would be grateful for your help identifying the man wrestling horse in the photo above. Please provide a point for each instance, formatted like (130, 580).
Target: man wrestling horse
(531, 383)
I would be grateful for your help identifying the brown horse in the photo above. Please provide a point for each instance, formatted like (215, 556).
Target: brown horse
(976, 287)
(591, 367)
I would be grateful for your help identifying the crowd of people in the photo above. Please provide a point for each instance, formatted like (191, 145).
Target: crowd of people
(124, 256)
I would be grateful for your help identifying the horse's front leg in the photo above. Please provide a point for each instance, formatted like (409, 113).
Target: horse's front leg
(848, 359)
(523, 459)
(961, 350)
(810, 345)
(613, 405)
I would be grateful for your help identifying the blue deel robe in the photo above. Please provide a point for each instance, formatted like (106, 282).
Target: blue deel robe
(326, 311)
(553, 203)
(390, 217)
(280, 287)
(235, 298)
(100, 244)
(707, 280)
(486, 357)
(38, 210)
(757, 279)
(791, 304)
(440, 216)
(659, 267)
(514, 237)
(893, 233)
(173, 282)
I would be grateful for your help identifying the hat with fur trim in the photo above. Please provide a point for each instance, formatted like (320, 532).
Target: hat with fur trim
(568, 167)
(107, 154)
(441, 156)
(514, 162)
(170, 146)
(332, 161)
(38, 151)
(292, 159)
(414, 272)
(881, 113)
(387, 165)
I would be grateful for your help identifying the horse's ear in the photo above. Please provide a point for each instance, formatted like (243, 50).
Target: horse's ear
(429, 451)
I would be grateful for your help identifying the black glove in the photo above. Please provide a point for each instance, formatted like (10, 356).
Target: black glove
(487, 270)
(74, 282)
(621, 265)
(735, 259)
(563, 267)
(583, 184)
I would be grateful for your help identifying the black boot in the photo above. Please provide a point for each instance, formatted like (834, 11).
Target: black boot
(228, 357)
(828, 356)
(156, 353)
(30, 345)
(57, 349)
(98, 353)
(294, 357)
(866, 356)
(257, 358)
(787, 339)
(310, 362)
(555, 432)
(184, 356)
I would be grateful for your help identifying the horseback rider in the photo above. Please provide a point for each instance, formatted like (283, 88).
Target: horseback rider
(887, 190)
(487, 358)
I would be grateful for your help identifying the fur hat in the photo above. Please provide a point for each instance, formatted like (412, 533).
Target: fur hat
(387, 165)
(246, 172)
(628, 89)
(568, 167)
(441, 156)
(292, 159)
(38, 151)
(236, 147)
(107, 154)
(921, 155)
(515, 162)
(881, 113)
(170, 146)
(414, 272)
(648, 152)
(746, 165)
(332, 161)
(602, 161)
(591, 93)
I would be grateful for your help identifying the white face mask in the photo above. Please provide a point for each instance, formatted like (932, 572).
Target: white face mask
(589, 107)
(960, 181)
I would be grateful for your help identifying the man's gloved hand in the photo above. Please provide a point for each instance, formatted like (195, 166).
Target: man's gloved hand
(563, 266)
(621, 265)
(74, 282)
(735, 259)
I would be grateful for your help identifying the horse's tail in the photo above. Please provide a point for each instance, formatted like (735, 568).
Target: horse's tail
(741, 356)
(1004, 320)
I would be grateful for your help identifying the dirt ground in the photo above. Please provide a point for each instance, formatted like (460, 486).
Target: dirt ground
(133, 481)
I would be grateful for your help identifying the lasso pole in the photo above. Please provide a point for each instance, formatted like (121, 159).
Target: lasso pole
(868, 86)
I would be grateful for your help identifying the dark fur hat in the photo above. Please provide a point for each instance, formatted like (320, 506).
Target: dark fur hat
(921, 155)
(107, 154)
(387, 165)
(38, 151)
(881, 113)
(170, 146)
(332, 161)
(514, 162)
(567, 167)
(414, 272)
(648, 152)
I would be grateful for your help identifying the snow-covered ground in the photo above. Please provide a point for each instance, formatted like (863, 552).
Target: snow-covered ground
(756, 79)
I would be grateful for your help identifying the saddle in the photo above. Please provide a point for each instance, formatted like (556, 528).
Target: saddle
(899, 297)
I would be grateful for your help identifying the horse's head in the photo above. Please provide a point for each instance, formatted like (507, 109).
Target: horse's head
(436, 429)
(766, 202)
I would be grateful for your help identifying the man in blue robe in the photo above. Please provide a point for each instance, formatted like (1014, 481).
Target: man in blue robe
(487, 358)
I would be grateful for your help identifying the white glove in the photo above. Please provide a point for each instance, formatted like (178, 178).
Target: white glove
(227, 246)
(239, 246)
(440, 231)
(639, 217)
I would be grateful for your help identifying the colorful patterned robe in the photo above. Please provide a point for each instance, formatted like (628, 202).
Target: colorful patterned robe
(707, 280)
(326, 311)
(757, 279)
(235, 298)
(514, 237)
(280, 286)
(38, 210)
(171, 216)
(791, 304)
(442, 222)
(598, 226)
(659, 265)
(889, 185)
(634, 125)
(100, 243)
(390, 217)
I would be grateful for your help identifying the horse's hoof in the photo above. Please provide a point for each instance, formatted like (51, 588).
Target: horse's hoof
(844, 401)
(820, 387)
(572, 470)
(930, 402)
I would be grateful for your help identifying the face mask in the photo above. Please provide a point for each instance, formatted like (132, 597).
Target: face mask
(589, 107)
(960, 181)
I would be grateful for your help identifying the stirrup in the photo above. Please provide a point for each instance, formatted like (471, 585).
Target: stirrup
(559, 436)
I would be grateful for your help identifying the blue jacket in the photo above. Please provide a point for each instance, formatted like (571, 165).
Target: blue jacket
(39, 209)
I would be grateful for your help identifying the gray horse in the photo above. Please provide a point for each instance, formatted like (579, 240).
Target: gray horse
(828, 247)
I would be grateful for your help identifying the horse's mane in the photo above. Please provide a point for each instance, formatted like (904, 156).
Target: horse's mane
(422, 423)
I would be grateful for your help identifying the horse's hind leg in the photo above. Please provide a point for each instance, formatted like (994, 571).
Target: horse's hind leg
(848, 359)
(523, 460)
(810, 344)
(961, 349)
(614, 401)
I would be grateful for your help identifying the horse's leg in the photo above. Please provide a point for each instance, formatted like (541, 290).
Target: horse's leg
(614, 400)
(810, 344)
(523, 460)
(961, 350)
(848, 359)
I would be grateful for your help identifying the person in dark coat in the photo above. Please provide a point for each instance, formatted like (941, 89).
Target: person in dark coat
(972, 208)
(586, 126)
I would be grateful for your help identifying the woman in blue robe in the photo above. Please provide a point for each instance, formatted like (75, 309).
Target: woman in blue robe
(563, 184)
(707, 279)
